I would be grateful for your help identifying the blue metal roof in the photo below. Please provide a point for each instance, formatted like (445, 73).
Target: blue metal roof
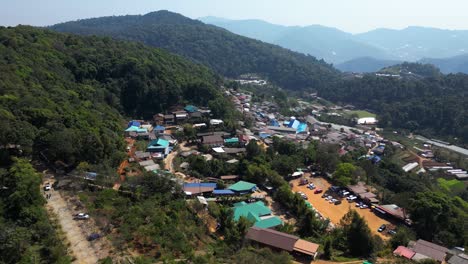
(221, 192)
(133, 123)
(200, 184)
(159, 128)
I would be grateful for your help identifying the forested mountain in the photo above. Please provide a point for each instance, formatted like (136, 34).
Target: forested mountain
(365, 64)
(457, 64)
(408, 69)
(447, 65)
(433, 105)
(415, 43)
(63, 95)
(330, 44)
(231, 55)
(227, 53)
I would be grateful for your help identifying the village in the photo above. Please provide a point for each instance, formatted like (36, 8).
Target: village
(153, 146)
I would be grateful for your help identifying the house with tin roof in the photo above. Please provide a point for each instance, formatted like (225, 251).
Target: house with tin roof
(243, 187)
(159, 146)
(282, 241)
(257, 213)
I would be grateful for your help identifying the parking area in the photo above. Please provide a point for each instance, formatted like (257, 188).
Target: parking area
(336, 212)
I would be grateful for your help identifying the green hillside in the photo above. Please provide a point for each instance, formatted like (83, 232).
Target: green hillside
(227, 53)
(63, 96)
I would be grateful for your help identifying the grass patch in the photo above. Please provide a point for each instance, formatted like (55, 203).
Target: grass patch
(360, 113)
(343, 259)
(451, 186)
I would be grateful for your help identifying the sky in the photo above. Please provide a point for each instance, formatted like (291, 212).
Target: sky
(353, 16)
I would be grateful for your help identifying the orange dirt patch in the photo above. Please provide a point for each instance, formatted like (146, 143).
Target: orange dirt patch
(121, 170)
(336, 212)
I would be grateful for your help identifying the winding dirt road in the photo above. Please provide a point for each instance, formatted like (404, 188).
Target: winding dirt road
(80, 247)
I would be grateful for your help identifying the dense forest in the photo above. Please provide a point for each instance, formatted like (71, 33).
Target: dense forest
(432, 106)
(227, 53)
(63, 96)
(424, 101)
(26, 233)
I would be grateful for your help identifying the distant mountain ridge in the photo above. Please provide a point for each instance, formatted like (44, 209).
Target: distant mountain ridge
(330, 44)
(457, 64)
(338, 47)
(225, 52)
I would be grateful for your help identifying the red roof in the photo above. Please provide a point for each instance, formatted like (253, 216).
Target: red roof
(404, 252)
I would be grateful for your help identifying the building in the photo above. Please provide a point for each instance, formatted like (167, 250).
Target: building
(284, 130)
(243, 187)
(169, 119)
(282, 241)
(159, 129)
(367, 121)
(256, 212)
(133, 123)
(392, 210)
(426, 250)
(180, 116)
(159, 146)
(404, 252)
(199, 188)
(191, 109)
(212, 140)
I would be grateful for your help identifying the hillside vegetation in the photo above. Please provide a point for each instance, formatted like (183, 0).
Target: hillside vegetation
(227, 53)
(63, 95)
(433, 106)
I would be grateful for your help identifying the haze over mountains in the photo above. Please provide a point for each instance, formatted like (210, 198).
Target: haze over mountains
(226, 53)
(349, 51)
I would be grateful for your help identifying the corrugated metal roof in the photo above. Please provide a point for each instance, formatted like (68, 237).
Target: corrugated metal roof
(269, 222)
(272, 238)
(257, 208)
(404, 252)
(306, 247)
(241, 186)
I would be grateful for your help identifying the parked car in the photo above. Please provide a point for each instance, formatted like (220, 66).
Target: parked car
(364, 206)
(333, 200)
(391, 232)
(382, 228)
(318, 191)
(93, 236)
(337, 202)
(358, 204)
(311, 186)
(324, 195)
(345, 193)
(329, 197)
(351, 197)
(81, 216)
(304, 196)
(47, 187)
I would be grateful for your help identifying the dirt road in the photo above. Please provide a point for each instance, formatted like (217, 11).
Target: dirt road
(80, 247)
(336, 212)
(168, 162)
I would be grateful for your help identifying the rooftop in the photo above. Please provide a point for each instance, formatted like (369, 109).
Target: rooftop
(241, 186)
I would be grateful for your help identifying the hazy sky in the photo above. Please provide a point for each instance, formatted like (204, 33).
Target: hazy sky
(349, 15)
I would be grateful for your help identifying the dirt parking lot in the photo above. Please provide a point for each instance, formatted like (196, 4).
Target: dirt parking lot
(336, 212)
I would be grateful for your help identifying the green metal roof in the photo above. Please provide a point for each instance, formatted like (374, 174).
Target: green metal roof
(240, 204)
(132, 129)
(191, 108)
(231, 140)
(241, 186)
(269, 222)
(159, 143)
(257, 209)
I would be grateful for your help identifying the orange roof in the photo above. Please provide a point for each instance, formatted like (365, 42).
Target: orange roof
(404, 252)
(306, 247)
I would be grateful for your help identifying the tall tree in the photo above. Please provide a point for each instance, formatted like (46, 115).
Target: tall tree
(358, 235)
